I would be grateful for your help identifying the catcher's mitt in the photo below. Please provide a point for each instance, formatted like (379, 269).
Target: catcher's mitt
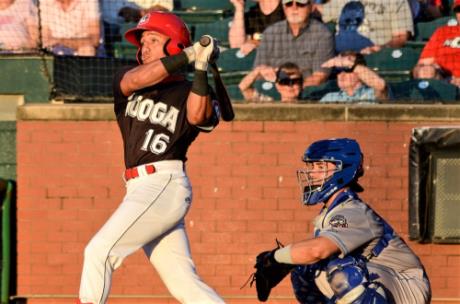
(268, 272)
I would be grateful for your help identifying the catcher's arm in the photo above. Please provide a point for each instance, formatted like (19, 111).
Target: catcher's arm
(272, 266)
(308, 251)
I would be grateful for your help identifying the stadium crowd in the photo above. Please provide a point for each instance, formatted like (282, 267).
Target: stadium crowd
(312, 41)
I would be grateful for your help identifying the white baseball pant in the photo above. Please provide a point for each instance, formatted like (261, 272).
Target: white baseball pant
(151, 216)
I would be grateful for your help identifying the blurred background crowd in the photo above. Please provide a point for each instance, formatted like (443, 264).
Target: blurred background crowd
(326, 51)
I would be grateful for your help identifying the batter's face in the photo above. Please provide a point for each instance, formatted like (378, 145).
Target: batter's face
(152, 46)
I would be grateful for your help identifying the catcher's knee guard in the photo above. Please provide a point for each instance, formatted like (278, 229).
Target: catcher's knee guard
(349, 280)
(303, 283)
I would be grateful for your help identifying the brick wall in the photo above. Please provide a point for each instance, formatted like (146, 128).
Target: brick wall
(245, 196)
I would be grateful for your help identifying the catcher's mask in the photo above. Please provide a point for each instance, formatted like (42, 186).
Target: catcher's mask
(318, 183)
(165, 23)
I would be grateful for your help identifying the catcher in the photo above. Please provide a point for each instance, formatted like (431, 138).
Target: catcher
(354, 256)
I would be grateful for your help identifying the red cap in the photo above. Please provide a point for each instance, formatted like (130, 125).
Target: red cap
(456, 3)
(165, 23)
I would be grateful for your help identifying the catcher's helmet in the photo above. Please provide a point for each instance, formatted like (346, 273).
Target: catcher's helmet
(346, 154)
(165, 23)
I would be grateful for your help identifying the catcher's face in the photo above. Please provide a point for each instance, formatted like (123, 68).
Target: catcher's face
(152, 44)
(314, 175)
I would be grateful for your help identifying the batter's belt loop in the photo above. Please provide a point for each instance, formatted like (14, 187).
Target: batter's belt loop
(131, 173)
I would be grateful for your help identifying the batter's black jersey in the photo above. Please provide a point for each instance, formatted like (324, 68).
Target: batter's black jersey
(153, 121)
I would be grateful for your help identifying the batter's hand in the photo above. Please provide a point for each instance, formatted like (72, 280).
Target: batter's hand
(205, 54)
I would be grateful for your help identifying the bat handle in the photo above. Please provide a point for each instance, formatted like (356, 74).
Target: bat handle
(205, 41)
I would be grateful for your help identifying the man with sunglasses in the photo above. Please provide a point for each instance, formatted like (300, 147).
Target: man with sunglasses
(354, 256)
(443, 48)
(356, 81)
(299, 39)
(288, 84)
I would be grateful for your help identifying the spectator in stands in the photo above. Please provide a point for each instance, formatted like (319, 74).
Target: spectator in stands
(428, 71)
(298, 39)
(288, 83)
(70, 27)
(348, 37)
(436, 9)
(443, 48)
(116, 13)
(247, 28)
(154, 5)
(386, 23)
(18, 25)
(356, 81)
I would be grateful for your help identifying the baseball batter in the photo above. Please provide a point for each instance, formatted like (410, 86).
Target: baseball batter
(159, 114)
(354, 256)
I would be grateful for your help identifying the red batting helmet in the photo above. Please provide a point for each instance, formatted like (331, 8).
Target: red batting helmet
(165, 23)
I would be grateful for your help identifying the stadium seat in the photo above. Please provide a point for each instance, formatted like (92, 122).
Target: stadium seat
(263, 87)
(218, 29)
(267, 88)
(332, 26)
(317, 92)
(424, 90)
(233, 77)
(202, 11)
(234, 93)
(394, 64)
(202, 5)
(248, 5)
(124, 49)
(233, 66)
(231, 60)
(424, 30)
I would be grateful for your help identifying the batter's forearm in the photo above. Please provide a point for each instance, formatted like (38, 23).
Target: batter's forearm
(199, 109)
(143, 76)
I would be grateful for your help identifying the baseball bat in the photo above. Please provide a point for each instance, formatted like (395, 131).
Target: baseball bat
(226, 108)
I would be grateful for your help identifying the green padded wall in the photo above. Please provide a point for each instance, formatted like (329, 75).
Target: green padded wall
(30, 76)
(8, 150)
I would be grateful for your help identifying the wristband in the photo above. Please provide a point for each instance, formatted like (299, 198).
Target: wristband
(200, 83)
(173, 63)
(283, 255)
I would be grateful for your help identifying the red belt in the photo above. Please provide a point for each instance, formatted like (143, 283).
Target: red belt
(134, 172)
